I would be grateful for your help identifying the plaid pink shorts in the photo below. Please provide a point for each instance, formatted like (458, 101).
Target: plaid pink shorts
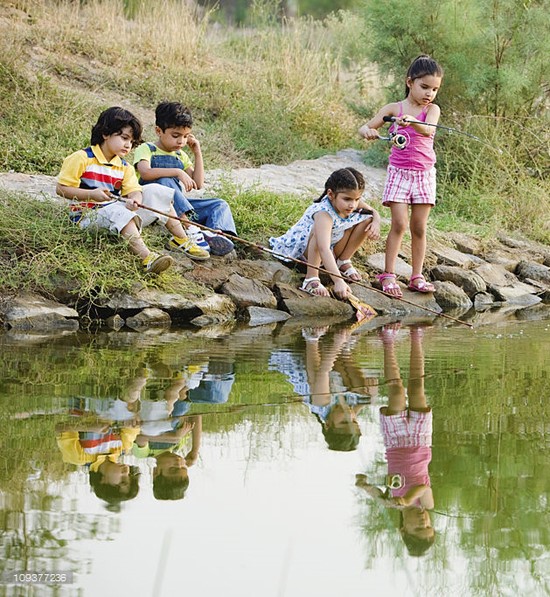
(407, 429)
(413, 187)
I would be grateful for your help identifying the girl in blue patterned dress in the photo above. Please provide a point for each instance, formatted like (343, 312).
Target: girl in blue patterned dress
(330, 232)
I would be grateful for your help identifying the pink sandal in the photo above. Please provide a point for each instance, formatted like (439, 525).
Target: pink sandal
(418, 284)
(389, 284)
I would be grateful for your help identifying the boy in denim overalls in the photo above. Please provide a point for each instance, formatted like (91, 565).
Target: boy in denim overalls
(167, 164)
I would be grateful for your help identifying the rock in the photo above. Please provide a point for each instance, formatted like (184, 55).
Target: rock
(246, 293)
(450, 256)
(506, 287)
(263, 316)
(115, 322)
(219, 306)
(148, 318)
(379, 301)
(377, 262)
(465, 243)
(451, 296)
(516, 295)
(483, 300)
(534, 271)
(33, 312)
(470, 282)
(507, 259)
(300, 304)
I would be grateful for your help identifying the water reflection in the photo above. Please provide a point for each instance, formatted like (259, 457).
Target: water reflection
(234, 425)
(406, 426)
(333, 387)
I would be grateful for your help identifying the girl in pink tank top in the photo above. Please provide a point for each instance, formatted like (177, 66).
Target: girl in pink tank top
(411, 171)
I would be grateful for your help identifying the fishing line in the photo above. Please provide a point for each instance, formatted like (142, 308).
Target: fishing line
(445, 128)
(282, 257)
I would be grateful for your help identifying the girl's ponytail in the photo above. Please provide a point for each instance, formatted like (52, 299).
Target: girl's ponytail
(420, 67)
(344, 179)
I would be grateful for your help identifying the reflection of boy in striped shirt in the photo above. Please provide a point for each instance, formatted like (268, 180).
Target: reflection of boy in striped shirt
(99, 446)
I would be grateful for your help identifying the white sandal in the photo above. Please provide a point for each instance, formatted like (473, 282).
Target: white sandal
(349, 272)
(314, 287)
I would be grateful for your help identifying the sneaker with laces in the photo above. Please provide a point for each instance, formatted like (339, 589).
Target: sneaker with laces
(155, 263)
(188, 247)
(219, 245)
(196, 235)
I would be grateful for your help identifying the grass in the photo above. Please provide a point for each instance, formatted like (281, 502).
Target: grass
(53, 255)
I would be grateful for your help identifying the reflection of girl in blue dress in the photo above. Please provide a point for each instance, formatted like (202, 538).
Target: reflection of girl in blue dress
(325, 393)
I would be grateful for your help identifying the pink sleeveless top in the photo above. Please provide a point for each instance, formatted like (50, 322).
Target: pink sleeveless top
(419, 153)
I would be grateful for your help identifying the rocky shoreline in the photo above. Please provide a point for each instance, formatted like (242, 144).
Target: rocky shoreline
(471, 276)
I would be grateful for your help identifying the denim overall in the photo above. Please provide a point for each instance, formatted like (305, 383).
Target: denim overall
(214, 213)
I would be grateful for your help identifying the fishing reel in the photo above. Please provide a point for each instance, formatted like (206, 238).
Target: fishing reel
(398, 139)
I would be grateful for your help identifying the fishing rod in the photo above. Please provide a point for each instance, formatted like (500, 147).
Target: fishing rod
(440, 126)
(298, 261)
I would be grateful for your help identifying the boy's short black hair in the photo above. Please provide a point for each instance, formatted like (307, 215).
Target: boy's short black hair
(112, 121)
(169, 489)
(172, 115)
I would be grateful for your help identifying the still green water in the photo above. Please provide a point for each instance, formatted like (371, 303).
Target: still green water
(270, 426)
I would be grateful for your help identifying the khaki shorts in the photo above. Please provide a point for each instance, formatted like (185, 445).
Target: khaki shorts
(115, 216)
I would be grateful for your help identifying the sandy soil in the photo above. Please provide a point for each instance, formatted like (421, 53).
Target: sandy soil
(304, 177)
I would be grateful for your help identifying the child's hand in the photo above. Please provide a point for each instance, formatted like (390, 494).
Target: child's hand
(405, 120)
(341, 289)
(373, 228)
(132, 204)
(193, 143)
(369, 134)
(188, 183)
(100, 195)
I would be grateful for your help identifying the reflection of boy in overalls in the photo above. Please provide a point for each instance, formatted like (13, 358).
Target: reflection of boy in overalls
(407, 433)
(167, 164)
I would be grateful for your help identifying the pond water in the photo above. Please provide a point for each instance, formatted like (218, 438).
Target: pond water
(270, 427)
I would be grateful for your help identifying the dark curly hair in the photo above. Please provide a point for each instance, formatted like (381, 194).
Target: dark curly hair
(112, 121)
(112, 493)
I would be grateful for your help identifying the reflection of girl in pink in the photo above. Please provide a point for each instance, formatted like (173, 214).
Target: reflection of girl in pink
(407, 433)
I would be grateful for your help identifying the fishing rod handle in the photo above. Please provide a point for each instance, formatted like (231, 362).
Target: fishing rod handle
(389, 118)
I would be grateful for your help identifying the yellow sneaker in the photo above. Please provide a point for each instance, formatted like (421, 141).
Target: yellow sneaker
(155, 263)
(188, 247)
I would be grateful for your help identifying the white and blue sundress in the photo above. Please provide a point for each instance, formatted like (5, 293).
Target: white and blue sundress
(293, 243)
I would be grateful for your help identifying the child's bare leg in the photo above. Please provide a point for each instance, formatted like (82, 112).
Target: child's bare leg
(396, 391)
(313, 258)
(172, 393)
(131, 233)
(417, 397)
(418, 225)
(353, 238)
(175, 227)
(134, 389)
(399, 224)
